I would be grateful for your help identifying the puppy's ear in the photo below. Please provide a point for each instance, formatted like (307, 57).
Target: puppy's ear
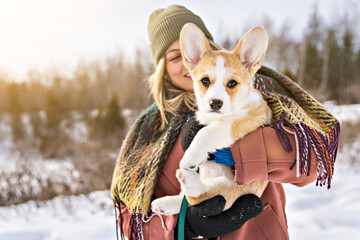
(252, 47)
(193, 44)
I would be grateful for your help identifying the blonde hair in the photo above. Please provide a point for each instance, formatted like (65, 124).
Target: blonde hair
(161, 87)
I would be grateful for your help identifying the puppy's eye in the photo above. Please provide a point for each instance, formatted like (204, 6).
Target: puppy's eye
(205, 81)
(231, 84)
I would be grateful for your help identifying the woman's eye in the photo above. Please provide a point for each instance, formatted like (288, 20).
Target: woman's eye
(232, 84)
(205, 81)
(175, 57)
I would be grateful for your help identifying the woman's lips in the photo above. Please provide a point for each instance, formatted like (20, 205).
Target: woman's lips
(187, 76)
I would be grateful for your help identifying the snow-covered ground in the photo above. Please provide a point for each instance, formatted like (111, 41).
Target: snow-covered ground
(312, 212)
(319, 213)
(88, 217)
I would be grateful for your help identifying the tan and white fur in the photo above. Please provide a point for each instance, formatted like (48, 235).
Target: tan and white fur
(230, 108)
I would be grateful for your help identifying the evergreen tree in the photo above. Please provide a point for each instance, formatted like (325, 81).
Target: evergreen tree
(36, 123)
(17, 126)
(347, 63)
(357, 68)
(4, 95)
(331, 75)
(52, 133)
(310, 74)
(53, 113)
(113, 118)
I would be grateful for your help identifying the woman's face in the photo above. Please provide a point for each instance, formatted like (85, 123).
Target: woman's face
(175, 68)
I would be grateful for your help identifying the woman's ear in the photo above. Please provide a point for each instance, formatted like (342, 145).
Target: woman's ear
(193, 44)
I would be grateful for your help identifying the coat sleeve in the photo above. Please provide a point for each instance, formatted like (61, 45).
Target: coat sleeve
(260, 156)
(153, 229)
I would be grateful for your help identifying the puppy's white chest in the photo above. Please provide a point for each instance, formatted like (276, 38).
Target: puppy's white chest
(212, 174)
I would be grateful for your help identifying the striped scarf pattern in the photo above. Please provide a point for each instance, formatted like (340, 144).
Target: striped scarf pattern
(146, 146)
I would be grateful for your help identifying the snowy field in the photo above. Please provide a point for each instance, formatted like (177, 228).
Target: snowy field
(63, 218)
(312, 212)
(319, 213)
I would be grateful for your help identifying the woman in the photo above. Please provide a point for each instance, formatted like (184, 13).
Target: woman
(299, 148)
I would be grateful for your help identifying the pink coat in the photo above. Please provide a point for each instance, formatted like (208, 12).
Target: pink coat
(258, 156)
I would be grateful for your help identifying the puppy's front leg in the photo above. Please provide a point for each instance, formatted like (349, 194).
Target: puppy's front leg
(168, 205)
(207, 140)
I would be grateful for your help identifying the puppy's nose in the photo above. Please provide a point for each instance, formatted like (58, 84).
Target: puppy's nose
(215, 104)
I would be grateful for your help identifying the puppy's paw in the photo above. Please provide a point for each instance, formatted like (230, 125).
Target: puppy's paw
(190, 182)
(185, 176)
(186, 163)
(165, 205)
(191, 161)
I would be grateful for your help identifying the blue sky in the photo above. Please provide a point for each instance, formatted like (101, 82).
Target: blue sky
(58, 34)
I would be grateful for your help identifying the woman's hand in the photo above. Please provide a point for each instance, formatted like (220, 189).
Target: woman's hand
(208, 219)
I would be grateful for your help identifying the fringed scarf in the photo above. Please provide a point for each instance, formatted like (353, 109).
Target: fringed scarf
(146, 146)
(313, 126)
(140, 161)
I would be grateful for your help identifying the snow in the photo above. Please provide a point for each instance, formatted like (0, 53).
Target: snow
(75, 217)
(321, 213)
(312, 212)
(344, 113)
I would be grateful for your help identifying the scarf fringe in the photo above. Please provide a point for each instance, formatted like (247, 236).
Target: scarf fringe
(119, 221)
(135, 229)
(325, 148)
(135, 225)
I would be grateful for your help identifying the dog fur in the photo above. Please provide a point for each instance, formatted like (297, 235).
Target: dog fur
(230, 108)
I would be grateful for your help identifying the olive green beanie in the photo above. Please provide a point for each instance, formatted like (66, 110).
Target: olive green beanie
(165, 25)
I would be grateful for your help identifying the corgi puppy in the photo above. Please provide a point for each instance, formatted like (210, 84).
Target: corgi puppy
(229, 107)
